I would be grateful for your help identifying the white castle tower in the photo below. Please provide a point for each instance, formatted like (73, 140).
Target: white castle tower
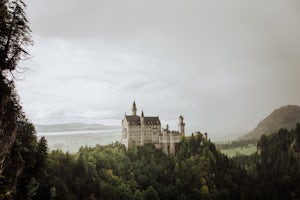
(181, 125)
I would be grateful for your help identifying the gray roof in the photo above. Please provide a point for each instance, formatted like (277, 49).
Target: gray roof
(136, 120)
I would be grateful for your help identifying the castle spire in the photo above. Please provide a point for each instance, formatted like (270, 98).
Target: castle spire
(134, 108)
(142, 128)
(181, 125)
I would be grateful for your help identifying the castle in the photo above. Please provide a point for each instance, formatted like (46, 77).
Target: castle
(140, 130)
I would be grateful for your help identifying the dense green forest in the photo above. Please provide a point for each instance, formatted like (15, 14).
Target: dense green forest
(275, 168)
(197, 171)
(111, 172)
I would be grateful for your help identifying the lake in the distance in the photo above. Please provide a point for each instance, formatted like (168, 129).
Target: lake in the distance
(72, 140)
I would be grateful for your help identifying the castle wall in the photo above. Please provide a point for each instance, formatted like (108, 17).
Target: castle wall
(138, 136)
(124, 137)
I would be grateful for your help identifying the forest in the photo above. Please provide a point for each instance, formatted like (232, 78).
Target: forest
(28, 170)
(197, 171)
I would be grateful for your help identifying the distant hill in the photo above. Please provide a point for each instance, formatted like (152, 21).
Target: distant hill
(72, 127)
(284, 117)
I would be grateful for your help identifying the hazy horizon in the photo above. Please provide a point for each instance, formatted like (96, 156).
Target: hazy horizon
(223, 66)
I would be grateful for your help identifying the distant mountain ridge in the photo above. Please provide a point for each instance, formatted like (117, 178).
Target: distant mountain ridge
(284, 117)
(72, 127)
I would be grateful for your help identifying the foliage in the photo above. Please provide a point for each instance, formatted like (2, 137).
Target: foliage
(198, 171)
(277, 170)
(112, 172)
(276, 166)
(14, 35)
(16, 135)
(24, 168)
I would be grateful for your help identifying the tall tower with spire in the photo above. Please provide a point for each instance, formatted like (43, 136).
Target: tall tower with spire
(181, 125)
(142, 119)
(134, 109)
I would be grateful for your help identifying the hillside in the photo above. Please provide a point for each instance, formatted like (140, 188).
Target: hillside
(284, 117)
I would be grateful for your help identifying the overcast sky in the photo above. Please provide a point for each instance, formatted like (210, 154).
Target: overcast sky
(223, 65)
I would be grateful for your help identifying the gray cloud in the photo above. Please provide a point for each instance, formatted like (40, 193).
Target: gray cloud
(224, 65)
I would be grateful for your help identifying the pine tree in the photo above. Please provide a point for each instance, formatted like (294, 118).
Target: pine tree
(15, 34)
(14, 38)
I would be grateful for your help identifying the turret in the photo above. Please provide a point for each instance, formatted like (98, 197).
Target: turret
(142, 128)
(134, 109)
(142, 118)
(181, 125)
